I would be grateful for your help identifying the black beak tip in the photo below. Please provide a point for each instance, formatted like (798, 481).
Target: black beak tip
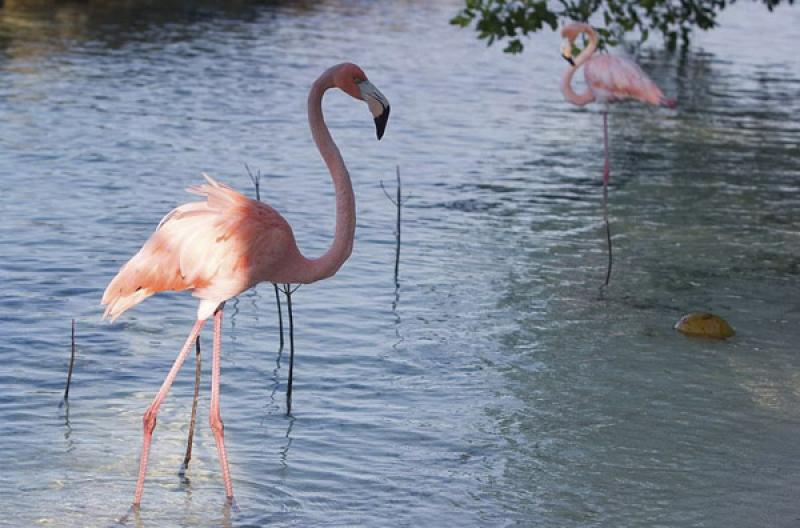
(569, 60)
(380, 122)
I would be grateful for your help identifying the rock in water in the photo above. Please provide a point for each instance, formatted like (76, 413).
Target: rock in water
(702, 324)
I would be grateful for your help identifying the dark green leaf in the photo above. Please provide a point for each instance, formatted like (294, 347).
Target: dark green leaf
(508, 19)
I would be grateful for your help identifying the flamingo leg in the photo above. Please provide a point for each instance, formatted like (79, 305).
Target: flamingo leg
(149, 419)
(606, 176)
(214, 418)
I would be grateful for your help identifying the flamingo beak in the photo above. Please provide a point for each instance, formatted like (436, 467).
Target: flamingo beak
(566, 51)
(378, 105)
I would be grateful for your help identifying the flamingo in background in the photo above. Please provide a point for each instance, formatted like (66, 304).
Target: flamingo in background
(228, 243)
(610, 79)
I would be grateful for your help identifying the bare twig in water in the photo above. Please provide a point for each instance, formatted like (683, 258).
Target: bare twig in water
(71, 363)
(280, 312)
(288, 291)
(606, 173)
(256, 178)
(398, 202)
(193, 421)
(608, 234)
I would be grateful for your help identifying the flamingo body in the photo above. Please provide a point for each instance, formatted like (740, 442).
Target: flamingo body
(217, 248)
(224, 245)
(612, 78)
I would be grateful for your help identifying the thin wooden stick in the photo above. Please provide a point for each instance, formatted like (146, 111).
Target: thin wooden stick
(606, 174)
(397, 249)
(71, 363)
(256, 179)
(288, 291)
(608, 234)
(280, 312)
(398, 202)
(197, 366)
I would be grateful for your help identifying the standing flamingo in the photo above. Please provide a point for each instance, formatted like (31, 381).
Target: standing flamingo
(610, 79)
(228, 243)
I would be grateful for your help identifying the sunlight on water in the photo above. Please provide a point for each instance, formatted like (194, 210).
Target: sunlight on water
(495, 386)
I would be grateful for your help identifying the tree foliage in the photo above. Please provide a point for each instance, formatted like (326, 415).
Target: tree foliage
(674, 19)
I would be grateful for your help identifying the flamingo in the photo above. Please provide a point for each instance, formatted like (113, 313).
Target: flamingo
(228, 243)
(610, 79)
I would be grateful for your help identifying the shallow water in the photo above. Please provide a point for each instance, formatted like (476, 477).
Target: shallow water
(496, 386)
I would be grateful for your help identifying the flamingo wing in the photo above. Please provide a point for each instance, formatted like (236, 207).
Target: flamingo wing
(614, 78)
(217, 248)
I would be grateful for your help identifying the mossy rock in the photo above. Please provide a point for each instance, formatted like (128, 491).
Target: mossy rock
(702, 324)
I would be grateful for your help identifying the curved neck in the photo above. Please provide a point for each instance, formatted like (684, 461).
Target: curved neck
(566, 81)
(329, 263)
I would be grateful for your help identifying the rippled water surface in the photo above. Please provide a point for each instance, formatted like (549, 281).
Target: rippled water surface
(495, 386)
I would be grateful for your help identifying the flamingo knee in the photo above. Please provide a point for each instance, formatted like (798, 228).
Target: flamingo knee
(149, 420)
(216, 424)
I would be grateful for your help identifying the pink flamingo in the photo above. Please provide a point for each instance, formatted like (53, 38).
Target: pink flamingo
(228, 243)
(610, 79)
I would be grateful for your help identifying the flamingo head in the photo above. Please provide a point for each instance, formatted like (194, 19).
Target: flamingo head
(566, 51)
(353, 81)
(569, 33)
(573, 29)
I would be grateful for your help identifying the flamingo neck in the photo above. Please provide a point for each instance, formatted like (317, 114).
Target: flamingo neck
(566, 81)
(330, 262)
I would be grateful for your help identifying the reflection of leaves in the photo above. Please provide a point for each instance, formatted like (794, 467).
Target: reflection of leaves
(511, 19)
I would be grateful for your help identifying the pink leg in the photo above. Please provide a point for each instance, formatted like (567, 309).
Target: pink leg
(150, 415)
(214, 418)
